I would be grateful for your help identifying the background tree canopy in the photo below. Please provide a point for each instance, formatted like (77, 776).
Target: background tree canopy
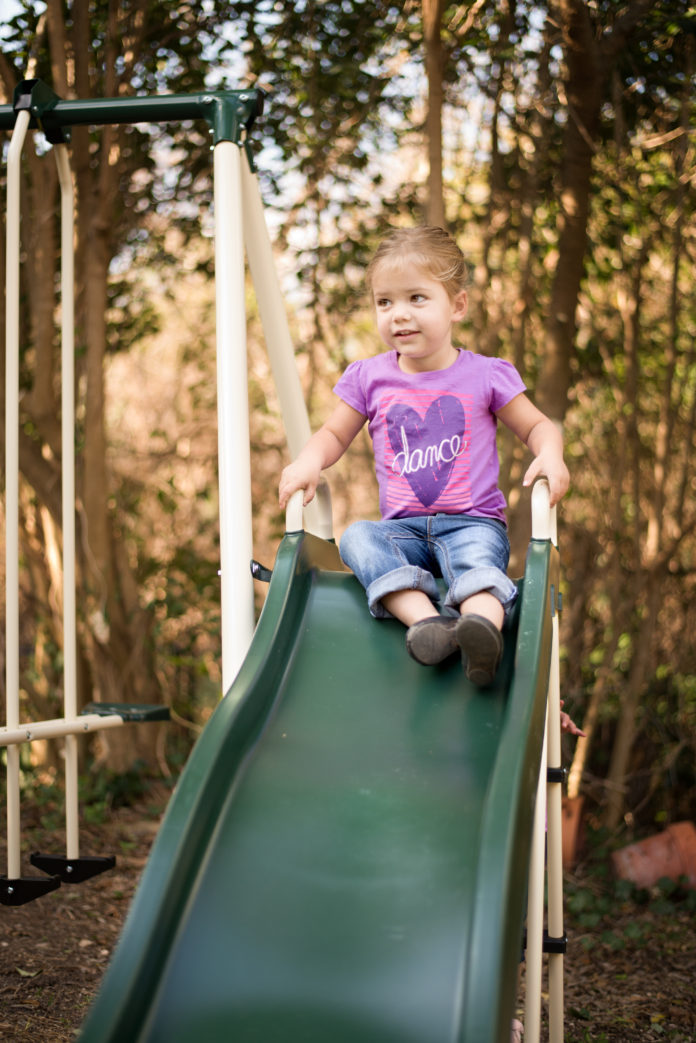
(556, 143)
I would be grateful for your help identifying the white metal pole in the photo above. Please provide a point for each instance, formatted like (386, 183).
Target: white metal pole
(12, 483)
(237, 595)
(535, 909)
(67, 298)
(555, 846)
(281, 352)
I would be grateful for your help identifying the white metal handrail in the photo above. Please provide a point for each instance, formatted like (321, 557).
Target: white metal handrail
(546, 858)
(279, 345)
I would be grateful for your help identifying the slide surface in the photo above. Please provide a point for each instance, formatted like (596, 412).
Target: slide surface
(345, 856)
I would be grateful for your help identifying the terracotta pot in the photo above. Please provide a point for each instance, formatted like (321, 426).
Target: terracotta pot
(573, 829)
(669, 854)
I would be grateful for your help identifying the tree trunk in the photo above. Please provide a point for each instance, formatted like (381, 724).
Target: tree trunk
(115, 629)
(590, 55)
(584, 91)
(631, 694)
(433, 11)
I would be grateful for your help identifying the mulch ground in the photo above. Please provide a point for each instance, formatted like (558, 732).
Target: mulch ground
(54, 951)
(630, 972)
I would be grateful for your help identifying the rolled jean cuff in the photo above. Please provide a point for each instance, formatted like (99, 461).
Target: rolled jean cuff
(407, 577)
(484, 578)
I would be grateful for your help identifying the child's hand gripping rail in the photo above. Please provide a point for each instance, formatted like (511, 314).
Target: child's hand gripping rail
(294, 521)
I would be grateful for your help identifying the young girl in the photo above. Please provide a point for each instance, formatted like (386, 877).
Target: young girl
(432, 411)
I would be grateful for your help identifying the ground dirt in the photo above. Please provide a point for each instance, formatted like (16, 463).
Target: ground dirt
(629, 972)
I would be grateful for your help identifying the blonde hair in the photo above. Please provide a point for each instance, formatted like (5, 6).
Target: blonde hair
(429, 247)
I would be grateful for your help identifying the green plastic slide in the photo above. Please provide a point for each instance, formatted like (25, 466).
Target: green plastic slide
(345, 857)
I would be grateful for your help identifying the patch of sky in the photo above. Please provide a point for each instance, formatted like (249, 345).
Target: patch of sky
(9, 9)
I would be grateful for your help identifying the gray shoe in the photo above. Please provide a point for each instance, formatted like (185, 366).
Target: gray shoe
(433, 639)
(481, 645)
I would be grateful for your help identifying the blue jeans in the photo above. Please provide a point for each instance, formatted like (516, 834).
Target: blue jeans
(471, 555)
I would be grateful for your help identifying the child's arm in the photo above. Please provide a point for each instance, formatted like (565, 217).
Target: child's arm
(543, 438)
(324, 448)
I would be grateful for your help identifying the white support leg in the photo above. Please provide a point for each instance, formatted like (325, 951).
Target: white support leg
(555, 847)
(12, 484)
(535, 908)
(67, 298)
(237, 595)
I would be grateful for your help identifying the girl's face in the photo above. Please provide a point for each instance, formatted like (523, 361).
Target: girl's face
(415, 314)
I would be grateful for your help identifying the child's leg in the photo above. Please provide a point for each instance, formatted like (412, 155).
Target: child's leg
(481, 644)
(486, 605)
(473, 555)
(392, 558)
(409, 606)
(392, 561)
(430, 637)
(479, 636)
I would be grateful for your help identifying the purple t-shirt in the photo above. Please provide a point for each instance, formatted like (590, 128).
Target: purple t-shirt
(433, 433)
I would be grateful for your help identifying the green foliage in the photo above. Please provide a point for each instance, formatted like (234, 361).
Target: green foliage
(656, 68)
(598, 905)
(132, 315)
(588, 1035)
(163, 47)
(101, 790)
(326, 67)
(341, 85)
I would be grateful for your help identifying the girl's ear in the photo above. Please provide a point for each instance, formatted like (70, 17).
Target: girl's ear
(460, 305)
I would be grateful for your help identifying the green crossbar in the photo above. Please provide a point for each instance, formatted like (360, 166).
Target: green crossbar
(228, 113)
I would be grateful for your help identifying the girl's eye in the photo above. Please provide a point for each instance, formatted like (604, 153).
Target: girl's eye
(418, 298)
(383, 302)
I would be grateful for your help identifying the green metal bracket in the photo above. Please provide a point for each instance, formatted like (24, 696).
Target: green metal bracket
(229, 114)
(37, 98)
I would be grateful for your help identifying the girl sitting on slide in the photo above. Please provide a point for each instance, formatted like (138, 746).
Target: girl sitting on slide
(432, 410)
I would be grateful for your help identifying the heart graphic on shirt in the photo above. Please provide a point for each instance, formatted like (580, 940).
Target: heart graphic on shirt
(427, 447)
